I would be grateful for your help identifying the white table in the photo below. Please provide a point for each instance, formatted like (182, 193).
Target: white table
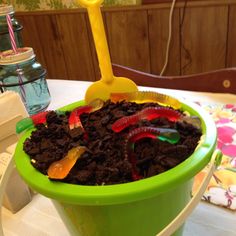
(39, 218)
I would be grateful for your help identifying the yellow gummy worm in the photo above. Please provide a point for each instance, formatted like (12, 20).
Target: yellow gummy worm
(146, 96)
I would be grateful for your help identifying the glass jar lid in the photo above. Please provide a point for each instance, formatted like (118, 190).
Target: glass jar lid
(6, 9)
(10, 57)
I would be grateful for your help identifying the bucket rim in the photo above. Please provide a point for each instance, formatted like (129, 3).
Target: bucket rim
(126, 192)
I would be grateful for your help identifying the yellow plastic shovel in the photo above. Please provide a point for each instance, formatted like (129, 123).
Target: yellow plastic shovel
(108, 82)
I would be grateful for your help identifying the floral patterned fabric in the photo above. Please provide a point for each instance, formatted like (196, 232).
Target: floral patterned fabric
(222, 187)
(33, 5)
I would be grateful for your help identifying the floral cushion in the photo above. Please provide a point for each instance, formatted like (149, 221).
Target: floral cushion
(222, 187)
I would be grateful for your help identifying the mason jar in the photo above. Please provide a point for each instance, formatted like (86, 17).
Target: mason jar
(5, 42)
(21, 73)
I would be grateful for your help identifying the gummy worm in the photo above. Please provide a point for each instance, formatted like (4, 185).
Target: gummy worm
(74, 119)
(146, 96)
(148, 113)
(170, 135)
(60, 169)
(30, 122)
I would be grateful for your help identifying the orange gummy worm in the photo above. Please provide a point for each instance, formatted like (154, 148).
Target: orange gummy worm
(60, 169)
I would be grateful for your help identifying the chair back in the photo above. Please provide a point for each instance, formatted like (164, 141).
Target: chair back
(217, 81)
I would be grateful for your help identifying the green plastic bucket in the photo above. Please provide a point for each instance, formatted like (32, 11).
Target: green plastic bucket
(140, 208)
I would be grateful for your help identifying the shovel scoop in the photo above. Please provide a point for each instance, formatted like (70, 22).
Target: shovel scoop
(108, 83)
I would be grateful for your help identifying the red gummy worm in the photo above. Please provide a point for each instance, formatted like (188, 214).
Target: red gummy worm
(133, 161)
(132, 137)
(74, 118)
(39, 118)
(135, 135)
(169, 135)
(124, 122)
(165, 134)
(151, 113)
(148, 113)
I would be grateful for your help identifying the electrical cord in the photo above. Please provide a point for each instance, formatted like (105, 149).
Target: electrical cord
(169, 38)
(182, 46)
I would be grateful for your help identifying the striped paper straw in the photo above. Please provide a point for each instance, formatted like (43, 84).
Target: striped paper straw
(14, 48)
(11, 33)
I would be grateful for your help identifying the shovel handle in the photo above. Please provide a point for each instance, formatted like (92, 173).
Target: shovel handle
(181, 217)
(99, 36)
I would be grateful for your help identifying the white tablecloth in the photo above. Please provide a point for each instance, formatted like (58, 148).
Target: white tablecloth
(39, 218)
